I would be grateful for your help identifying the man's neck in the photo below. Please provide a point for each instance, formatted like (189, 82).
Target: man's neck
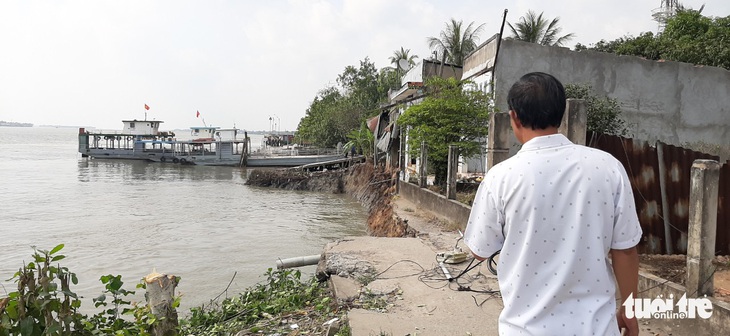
(529, 134)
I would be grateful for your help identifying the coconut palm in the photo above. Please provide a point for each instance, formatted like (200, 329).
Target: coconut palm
(402, 54)
(455, 41)
(536, 29)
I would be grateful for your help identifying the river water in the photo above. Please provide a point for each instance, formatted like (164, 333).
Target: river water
(130, 217)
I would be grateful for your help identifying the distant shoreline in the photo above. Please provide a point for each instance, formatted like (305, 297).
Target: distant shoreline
(14, 124)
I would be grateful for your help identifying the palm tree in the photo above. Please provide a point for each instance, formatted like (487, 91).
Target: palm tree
(456, 41)
(402, 54)
(536, 29)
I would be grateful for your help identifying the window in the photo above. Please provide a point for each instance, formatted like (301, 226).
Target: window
(131, 125)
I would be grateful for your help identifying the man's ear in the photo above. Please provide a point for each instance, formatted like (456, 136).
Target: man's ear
(516, 121)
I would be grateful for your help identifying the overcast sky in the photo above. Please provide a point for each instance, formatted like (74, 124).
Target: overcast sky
(94, 63)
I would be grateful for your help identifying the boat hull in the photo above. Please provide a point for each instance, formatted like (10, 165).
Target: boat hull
(288, 161)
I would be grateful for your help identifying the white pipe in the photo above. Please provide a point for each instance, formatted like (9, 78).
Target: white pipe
(298, 261)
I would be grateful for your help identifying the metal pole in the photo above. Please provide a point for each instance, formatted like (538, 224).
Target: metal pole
(668, 241)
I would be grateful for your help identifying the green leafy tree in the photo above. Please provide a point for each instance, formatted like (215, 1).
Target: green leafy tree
(361, 87)
(336, 111)
(455, 41)
(603, 113)
(687, 37)
(645, 45)
(693, 38)
(320, 125)
(450, 115)
(537, 29)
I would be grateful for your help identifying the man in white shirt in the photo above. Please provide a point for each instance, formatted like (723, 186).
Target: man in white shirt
(556, 210)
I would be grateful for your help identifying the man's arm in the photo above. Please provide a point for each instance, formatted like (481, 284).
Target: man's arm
(626, 269)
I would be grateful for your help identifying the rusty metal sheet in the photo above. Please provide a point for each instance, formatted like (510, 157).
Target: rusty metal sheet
(641, 162)
(678, 162)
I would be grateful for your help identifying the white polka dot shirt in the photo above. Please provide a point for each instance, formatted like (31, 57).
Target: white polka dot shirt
(555, 209)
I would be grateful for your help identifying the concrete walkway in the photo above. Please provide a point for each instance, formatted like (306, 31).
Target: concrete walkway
(407, 292)
(395, 286)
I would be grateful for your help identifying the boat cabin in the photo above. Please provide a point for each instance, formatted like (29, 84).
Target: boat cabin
(203, 133)
(141, 127)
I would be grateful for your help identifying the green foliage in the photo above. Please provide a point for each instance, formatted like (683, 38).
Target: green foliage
(693, 38)
(45, 305)
(361, 140)
(361, 87)
(604, 113)
(110, 321)
(450, 115)
(324, 123)
(455, 41)
(645, 45)
(536, 29)
(688, 37)
(257, 309)
(336, 111)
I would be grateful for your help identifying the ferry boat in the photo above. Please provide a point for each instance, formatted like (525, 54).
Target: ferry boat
(138, 140)
(208, 145)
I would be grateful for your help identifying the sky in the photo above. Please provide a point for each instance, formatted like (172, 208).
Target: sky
(253, 64)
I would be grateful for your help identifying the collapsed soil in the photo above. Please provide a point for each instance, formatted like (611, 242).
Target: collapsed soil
(673, 268)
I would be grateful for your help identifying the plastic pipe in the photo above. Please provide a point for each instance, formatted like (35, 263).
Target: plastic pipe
(298, 261)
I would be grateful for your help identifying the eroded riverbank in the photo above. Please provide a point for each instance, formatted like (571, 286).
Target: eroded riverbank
(373, 188)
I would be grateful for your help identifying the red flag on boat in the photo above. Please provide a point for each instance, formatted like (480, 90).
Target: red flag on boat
(146, 107)
(198, 114)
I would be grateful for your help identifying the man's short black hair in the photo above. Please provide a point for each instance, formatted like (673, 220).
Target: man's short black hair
(538, 99)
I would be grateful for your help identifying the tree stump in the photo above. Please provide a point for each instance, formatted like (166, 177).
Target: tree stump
(160, 298)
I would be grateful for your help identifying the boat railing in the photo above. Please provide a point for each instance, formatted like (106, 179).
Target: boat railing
(294, 151)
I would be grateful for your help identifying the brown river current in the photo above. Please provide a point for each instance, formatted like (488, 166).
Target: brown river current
(128, 217)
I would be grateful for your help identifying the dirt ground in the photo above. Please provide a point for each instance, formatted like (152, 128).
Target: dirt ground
(673, 267)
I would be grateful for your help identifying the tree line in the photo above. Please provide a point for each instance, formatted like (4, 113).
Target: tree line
(451, 114)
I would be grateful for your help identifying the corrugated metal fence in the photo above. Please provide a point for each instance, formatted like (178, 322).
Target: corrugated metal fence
(643, 163)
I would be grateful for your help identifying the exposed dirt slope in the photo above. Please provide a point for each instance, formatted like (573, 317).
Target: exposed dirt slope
(372, 187)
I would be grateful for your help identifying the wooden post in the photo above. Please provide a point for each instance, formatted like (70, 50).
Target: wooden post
(575, 121)
(703, 200)
(244, 155)
(422, 168)
(160, 298)
(451, 172)
(499, 139)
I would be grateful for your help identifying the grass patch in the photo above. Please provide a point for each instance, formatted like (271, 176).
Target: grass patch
(281, 305)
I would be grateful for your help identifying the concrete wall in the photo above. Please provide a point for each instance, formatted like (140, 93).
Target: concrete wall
(427, 199)
(482, 59)
(428, 68)
(677, 103)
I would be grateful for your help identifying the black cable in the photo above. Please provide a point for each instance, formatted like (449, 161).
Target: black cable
(492, 265)
(376, 276)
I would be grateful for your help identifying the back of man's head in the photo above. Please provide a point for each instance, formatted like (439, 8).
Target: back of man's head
(538, 99)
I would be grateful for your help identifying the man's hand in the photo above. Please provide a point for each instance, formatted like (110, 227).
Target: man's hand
(631, 325)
